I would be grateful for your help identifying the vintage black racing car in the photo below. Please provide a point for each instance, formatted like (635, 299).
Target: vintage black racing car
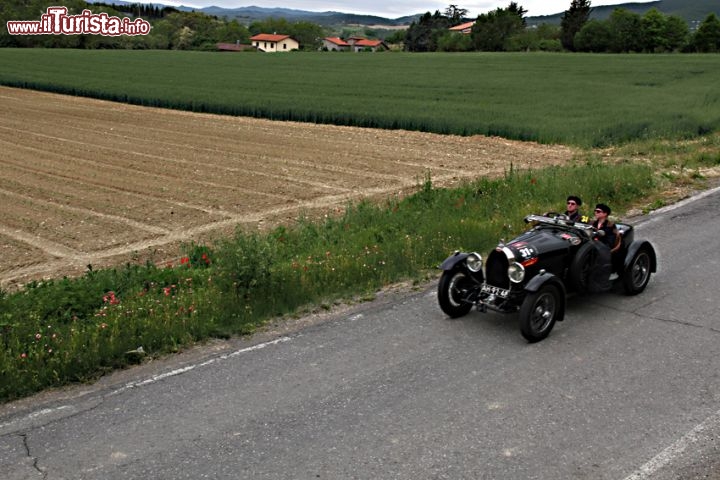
(533, 273)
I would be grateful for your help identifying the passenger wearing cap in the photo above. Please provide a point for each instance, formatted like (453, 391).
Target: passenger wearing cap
(603, 223)
(606, 244)
(573, 211)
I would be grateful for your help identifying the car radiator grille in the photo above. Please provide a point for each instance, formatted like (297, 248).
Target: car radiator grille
(496, 270)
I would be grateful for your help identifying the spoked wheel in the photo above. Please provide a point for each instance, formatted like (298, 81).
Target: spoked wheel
(453, 288)
(637, 275)
(538, 313)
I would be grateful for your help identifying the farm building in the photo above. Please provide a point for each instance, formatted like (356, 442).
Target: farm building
(271, 42)
(463, 27)
(356, 44)
(335, 43)
(372, 45)
(233, 47)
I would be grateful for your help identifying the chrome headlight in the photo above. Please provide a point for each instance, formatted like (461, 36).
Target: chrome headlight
(474, 262)
(516, 272)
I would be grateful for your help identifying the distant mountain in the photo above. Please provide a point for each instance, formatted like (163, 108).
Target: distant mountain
(692, 11)
(253, 13)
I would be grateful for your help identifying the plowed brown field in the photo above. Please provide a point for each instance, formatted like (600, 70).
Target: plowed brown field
(93, 182)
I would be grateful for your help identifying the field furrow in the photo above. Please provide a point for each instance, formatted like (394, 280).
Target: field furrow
(93, 182)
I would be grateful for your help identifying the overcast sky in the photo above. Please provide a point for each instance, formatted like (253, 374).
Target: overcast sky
(397, 8)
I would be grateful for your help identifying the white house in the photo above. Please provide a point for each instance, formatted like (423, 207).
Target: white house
(271, 42)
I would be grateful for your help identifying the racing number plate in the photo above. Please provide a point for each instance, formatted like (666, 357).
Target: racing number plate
(500, 292)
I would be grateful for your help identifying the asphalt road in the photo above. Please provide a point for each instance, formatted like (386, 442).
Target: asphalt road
(625, 388)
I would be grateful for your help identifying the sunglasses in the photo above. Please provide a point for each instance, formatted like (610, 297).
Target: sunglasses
(572, 203)
(597, 210)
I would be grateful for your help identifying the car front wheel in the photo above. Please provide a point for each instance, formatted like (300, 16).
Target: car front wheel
(538, 313)
(453, 289)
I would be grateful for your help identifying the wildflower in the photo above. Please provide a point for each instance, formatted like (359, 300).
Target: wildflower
(110, 298)
(38, 336)
(103, 325)
(185, 260)
(166, 290)
(23, 355)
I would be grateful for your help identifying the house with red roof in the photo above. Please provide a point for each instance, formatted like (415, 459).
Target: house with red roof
(372, 45)
(356, 44)
(272, 42)
(335, 44)
(463, 27)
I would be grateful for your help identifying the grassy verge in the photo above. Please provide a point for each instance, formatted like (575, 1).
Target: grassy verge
(73, 330)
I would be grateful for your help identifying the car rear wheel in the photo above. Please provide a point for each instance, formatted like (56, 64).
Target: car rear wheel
(539, 312)
(637, 275)
(453, 289)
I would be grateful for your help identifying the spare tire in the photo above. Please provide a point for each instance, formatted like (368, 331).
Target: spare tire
(582, 265)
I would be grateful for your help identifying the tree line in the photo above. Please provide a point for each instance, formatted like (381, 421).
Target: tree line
(505, 29)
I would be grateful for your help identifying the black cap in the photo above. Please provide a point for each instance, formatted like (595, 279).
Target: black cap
(574, 199)
(603, 207)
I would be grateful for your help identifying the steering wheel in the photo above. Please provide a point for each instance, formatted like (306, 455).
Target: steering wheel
(558, 216)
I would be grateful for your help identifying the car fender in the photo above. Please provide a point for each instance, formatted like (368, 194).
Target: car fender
(633, 249)
(450, 262)
(546, 278)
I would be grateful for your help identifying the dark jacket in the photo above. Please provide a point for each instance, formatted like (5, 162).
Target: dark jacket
(611, 233)
(574, 217)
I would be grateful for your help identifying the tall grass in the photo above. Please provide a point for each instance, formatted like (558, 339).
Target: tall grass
(71, 330)
(587, 100)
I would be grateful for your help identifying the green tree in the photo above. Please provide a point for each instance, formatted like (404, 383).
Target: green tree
(454, 42)
(270, 25)
(398, 36)
(492, 31)
(652, 35)
(545, 38)
(423, 35)
(309, 35)
(677, 33)
(233, 31)
(572, 22)
(455, 15)
(516, 9)
(625, 29)
(594, 36)
(661, 33)
(707, 36)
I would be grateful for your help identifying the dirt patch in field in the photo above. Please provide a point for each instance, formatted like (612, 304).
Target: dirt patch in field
(93, 182)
